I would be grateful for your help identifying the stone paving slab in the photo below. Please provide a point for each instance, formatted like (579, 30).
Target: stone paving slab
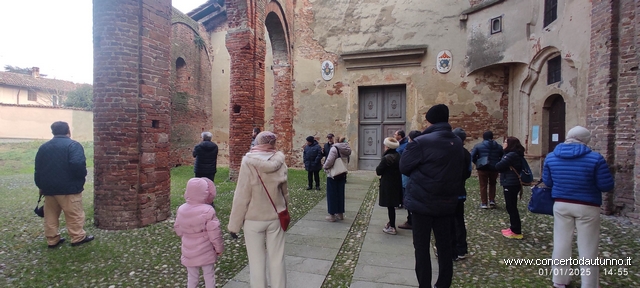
(385, 261)
(313, 243)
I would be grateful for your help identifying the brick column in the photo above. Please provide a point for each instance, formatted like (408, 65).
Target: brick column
(247, 51)
(132, 112)
(602, 89)
(283, 109)
(636, 28)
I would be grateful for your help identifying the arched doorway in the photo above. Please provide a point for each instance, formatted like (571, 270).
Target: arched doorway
(555, 112)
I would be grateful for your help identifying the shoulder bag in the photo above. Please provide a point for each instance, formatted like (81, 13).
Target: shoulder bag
(338, 166)
(283, 215)
(541, 201)
(39, 210)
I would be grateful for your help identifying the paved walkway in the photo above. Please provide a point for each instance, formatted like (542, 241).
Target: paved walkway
(385, 261)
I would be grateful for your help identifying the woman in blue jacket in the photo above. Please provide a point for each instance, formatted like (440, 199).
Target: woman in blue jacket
(578, 177)
(510, 181)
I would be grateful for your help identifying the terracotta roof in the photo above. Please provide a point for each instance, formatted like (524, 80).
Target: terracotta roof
(28, 81)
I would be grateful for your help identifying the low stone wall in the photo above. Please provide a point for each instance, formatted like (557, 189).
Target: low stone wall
(34, 122)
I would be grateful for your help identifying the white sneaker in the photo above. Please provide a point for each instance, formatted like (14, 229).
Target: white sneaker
(389, 230)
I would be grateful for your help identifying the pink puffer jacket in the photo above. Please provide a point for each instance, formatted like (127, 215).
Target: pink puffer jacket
(198, 225)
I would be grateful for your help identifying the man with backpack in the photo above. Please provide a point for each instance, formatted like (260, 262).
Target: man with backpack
(485, 155)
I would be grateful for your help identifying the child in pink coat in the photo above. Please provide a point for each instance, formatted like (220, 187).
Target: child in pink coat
(199, 227)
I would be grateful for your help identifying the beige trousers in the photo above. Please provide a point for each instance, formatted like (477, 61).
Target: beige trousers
(73, 215)
(265, 257)
(586, 221)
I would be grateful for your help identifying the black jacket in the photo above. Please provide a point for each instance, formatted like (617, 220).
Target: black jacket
(312, 157)
(489, 148)
(61, 167)
(508, 177)
(391, 180)
(206, 154)
(434, 162)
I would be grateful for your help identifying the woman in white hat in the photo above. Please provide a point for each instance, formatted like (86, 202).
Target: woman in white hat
(390, 182)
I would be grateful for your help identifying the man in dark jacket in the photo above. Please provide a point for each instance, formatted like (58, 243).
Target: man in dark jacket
(327, 146)
(312, 157)
(485, 155)
(206, 154)
(434, 162)
(459, 233)
(60, 172)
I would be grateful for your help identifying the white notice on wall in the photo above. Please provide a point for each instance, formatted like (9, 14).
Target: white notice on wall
(554, 137)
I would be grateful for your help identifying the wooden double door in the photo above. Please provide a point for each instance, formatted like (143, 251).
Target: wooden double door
(382, 111)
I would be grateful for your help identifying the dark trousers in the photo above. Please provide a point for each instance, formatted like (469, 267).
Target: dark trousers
(487, 181)
(441, 226)
(511, 203)
(459, 231)
(311, 175)
(335, 195)
(392, 216)
(405, 206)
(203, 175)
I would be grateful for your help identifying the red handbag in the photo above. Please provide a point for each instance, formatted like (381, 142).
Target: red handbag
(283, 215)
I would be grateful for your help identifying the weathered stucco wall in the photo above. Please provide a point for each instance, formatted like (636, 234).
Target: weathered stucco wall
(34, 122)
(477, 102)
(525, 46)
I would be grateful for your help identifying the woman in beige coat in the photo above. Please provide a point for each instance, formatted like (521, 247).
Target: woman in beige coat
(252, 210)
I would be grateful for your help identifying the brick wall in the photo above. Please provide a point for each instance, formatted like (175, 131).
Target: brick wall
(636, 213)
(247, 48)
(191, 91)
(612, 97)
(476, 123)
(132, 112)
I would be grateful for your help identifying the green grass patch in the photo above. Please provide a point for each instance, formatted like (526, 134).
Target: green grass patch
(19, 158)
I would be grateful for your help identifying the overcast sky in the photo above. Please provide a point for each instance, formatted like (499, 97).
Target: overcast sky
(54, 35)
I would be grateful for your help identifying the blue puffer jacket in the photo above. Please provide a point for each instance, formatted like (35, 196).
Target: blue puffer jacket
(312, 157)
(61, 167)
(577, 173)
(489, 148)
(434, 162)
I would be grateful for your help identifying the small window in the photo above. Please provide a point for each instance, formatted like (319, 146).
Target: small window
(550, 11)
(554, 73)
(32, 96)
(496, 25)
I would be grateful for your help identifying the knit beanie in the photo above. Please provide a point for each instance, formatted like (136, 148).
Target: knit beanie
(579, 134)
(391, 142)
(438, 113)
(460, 133)
(266, 137)
(487, 135)
(310, 139)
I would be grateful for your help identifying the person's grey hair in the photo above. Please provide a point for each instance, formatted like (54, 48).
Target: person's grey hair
(206, 136)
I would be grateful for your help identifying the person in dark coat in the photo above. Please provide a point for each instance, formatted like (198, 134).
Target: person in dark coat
(327, 146)
(60, 172)
(390, 182)
(459, 233)
(206, 154)
(433, 162)
(312, 157)
(485, 155)
(510, 181)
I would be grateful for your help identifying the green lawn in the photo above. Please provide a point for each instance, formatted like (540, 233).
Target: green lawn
(150, 256)
(144, 257)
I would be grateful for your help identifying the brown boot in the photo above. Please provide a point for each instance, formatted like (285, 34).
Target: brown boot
(405, 225)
